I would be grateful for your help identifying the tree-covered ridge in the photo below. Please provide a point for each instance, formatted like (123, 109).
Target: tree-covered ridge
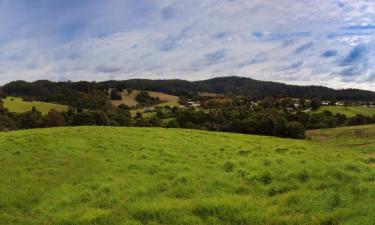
(69, 92)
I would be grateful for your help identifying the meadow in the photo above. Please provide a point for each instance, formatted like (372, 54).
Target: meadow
(355, 137)
(349, 111)
(129, 98)
(156, 176)
(15, 104)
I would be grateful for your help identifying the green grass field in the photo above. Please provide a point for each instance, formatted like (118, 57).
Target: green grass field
(155, 176)
(18, 105)
(349, 111)
(356, 137)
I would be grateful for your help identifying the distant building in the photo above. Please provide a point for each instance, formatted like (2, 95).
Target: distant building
(340, 104)
(149, 109)
(194, 104)
(326, 103)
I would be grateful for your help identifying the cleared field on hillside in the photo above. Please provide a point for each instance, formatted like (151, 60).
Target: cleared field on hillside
(129, 99)
(20, 106)
(356, 137)
(209, 94)
(104, 175)
(349, 111)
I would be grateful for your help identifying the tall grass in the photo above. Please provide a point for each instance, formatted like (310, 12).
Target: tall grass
(105, 176)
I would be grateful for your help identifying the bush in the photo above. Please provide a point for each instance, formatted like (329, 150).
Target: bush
(228, 166)
(114, 95)
(83, 119)
(100, 118)
(27, 99)
(303, 176)
(142, 123)
(145, 99)
(335, 201)
(173, 124)
(295, 130)
(54, 119)
(266, 178)
(31, 119)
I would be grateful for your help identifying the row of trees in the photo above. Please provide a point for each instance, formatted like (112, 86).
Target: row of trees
(34, 119)
(247, 119)
(267, 122)
(79, 95)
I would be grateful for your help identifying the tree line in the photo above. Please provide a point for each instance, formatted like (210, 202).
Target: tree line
(263, 119)
(82, 93)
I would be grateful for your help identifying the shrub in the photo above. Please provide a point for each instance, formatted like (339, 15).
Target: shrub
(303, 176)
(142, 123)
(115, 95)
(83, 119)
(173, 124)
(27, 99)
(266, 178)
(369, 160)
(335, 201)
(54, 119)
(353, 168)
(295, 130)
(228, 166)
(267, 162)
(277, 190)
(145, 99)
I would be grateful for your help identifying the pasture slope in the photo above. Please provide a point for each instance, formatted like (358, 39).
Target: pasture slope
(134, 176)
(129, 99)
(17, 105)
(349, 111)
(355, 137)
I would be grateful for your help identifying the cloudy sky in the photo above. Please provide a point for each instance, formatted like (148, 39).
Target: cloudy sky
(325, 42)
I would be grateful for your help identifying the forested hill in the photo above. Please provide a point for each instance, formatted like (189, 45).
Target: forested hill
(47, 90)
(248, 86)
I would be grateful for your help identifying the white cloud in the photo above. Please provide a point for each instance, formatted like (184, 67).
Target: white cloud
(199, 39)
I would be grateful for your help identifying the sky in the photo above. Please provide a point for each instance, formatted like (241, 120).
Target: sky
(305, 42)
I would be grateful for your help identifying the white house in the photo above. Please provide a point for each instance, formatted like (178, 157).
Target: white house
(326, 103)
(194, 104)
(339, 104)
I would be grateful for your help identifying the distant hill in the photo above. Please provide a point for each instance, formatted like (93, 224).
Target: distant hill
(244, 86)
(47, 90)
(248, 86)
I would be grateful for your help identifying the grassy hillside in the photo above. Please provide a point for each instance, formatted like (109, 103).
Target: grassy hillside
(18, 105)
(104, 175)
(357, 137)
(349, 111)
(129, 99)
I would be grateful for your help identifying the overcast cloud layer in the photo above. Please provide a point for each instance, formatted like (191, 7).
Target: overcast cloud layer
(325, 42)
